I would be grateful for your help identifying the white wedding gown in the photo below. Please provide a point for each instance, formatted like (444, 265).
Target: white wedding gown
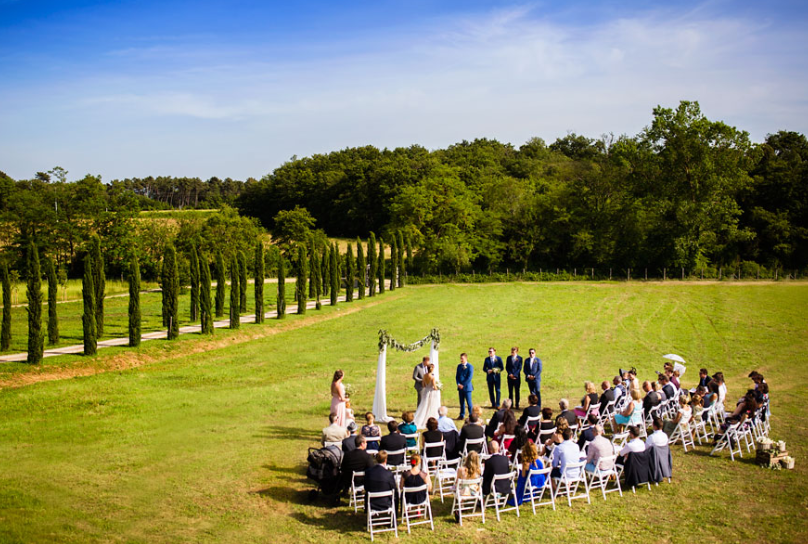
(430, 404)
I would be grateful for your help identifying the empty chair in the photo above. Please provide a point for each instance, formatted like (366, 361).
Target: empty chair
(729, 440)
(683, 433)
(381, 519)
(357, 491)
(445, 477)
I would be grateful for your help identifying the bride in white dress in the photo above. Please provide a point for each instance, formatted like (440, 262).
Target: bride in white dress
(430, 400)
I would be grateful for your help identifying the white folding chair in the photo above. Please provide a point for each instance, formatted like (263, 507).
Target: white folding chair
(373, 443)
(445, 477)
(505, 438)
(416, 513)
(432, 455)
(604, 471)
(619, 440)
(532, 421)
(500, 500)
(574, 429)
(729, 440)
(571, 478)
(475, 442)
(414, 437)
(546, 434)
(535, 494)
(357, 492)
(465, 506)
(397, 460)
(685, 434)
(383, 520)
(607, 413)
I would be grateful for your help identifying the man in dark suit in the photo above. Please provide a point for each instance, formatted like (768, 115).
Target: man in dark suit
(472, 430)
(497, 418)
(393, 442)
(349, 443)
(667, 386)
(513, 367)
(704, 377)
(493, 367)
(533, 375)
(533, 409)
(566, 413)
(606, 397)
(495, 465)
(379, 478)
(651, 397)
(588, 434)
(418, 374)
(464, 386)
(356, 460)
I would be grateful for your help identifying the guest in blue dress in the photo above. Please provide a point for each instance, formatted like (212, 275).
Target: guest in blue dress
(530, 461)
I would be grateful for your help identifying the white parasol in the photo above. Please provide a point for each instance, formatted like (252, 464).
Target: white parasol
(680, 363)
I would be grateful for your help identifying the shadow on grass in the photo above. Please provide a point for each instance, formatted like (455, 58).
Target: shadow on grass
(748, 458)
(352, 524)
(276, 432)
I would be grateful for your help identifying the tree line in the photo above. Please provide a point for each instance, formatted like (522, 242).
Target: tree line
(686, 192)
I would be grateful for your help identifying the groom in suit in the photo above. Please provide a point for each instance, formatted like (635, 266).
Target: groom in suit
(492, 364)
(513, 366)
(464, 387)
(418, 377)
(533, 374)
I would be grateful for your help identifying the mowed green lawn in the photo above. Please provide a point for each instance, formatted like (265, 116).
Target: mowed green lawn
(212, 447)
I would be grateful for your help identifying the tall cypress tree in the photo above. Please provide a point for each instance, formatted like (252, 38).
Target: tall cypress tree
(281, 288)
(381, 265)
(242, 281)
(334, 269)
(235, 302)
(99, 280)
(53, 295)
(349, 274)
(259, 282)
(393, 263)
(409, 254)
(221, 284)
(401, 269)
(193, 257)
(134, 302)
(302, 272)
(374, 265)
(205, 306)
(312, 269)
(326, 269)
(171, 291)
(360, 268)
(5, 332)
(88, 317)
(36, 338)
(315, 277)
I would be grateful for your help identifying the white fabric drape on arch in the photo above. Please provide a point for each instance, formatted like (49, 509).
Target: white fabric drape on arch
(380, 398)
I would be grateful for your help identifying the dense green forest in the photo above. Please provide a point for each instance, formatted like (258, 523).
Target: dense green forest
(686, 192)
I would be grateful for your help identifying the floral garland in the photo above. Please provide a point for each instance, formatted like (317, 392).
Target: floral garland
(386, 340)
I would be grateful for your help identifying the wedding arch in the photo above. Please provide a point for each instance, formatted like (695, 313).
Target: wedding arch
(385, 341)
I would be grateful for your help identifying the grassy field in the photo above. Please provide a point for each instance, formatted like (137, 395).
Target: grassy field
(116, 313)
(210, 446)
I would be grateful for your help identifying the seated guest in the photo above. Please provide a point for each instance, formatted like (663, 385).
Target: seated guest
(658, 390)
(445, 423)
(334, 433)
(634, 444)
(658, 437)
(349, 443)
(704, 377)
(408, 427)
(763, 391)
(588, 434)
(558, 436)
(651, 399)
(566, 413)
(495, 465)
(745, 409)
(606, 397)
(547, 421)
(722, 387)
(379, 478)
(470, 470)
(599, 447)
(631, 381)
(356, 460)
(564, 453)
(533, 409)
(712, 395)
(684, 413)
(478, 411)
(520, 438)
(393, 442)
(416, 477)
(470, 430)
(530, 461)
(674, 379)
(588, 400)
(497, 418)
(506, 429)
(371, 430)
(431, 436)
(619, 388)
(696, 407)
(632, 411)
(667, 387)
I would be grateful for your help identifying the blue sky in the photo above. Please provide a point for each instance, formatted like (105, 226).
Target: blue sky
(125, 89)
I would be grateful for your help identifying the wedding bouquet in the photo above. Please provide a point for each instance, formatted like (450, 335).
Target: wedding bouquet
(495, 371)
(439, 385)
(349, 389)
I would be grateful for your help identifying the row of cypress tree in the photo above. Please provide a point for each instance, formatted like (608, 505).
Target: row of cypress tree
(318, 271)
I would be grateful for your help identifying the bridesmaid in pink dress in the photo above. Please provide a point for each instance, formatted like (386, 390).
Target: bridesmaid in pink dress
(338, 399)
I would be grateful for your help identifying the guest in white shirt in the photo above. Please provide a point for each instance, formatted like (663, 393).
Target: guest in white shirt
(635, 444)
(722, 387)
(445, 424)
(564, 453)
(658, 437)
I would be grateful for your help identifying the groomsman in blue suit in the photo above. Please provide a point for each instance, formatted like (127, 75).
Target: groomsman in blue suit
(513, 366)
(464, 386)
(492, 364)
(533, 374)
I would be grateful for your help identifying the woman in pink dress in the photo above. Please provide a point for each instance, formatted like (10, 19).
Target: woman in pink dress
(338, 399)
